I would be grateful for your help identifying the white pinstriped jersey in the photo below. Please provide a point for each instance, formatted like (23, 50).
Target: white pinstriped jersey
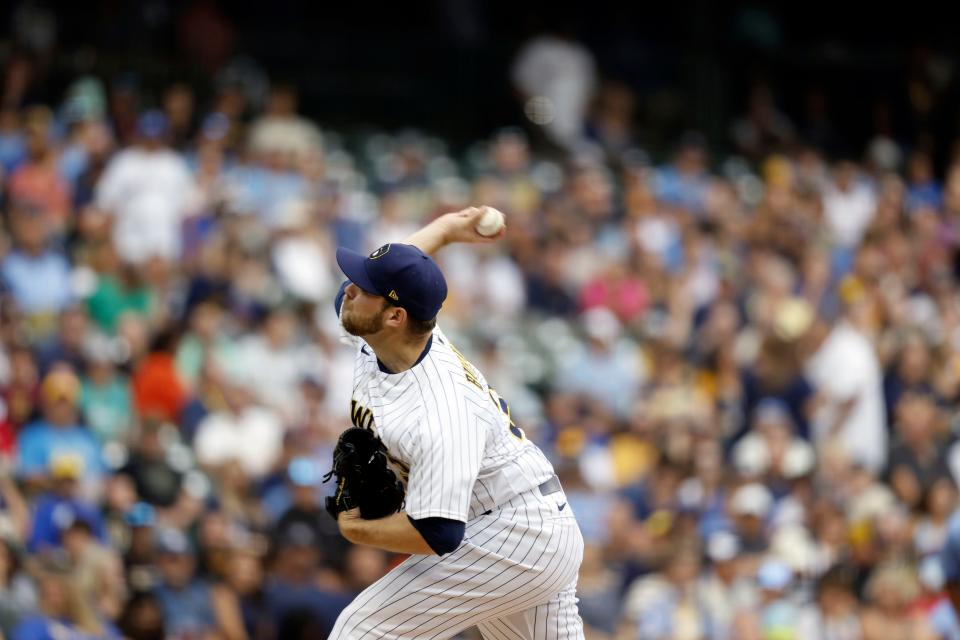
(514, 574)
(451, 434)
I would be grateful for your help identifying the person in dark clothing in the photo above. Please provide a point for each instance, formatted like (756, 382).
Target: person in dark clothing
(305, 509)
(918, 458)
(157, 483)
(301, 609)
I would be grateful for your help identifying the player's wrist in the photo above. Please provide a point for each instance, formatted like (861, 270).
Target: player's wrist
(446, 229)
(350, 524)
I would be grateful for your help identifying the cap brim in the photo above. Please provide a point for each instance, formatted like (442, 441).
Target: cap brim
(354, 267)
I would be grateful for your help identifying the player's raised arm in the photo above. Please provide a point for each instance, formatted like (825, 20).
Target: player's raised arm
(460, 226)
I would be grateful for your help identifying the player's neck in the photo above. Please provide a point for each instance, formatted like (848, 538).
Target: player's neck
(396, 354)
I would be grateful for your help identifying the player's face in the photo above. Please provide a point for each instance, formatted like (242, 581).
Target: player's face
(362, 313)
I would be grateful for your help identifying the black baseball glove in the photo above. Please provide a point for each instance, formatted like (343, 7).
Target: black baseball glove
(364, 478)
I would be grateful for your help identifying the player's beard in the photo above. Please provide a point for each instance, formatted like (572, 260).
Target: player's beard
(360, 326)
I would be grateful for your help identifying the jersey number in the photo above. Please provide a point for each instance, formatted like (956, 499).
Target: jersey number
(499, 402)
(505, 408)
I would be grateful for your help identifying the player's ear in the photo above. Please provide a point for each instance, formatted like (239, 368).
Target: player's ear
(396, 316)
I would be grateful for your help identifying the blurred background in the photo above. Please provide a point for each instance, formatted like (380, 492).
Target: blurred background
(726, 308)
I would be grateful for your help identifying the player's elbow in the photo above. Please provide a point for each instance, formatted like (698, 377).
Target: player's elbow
(441, 534)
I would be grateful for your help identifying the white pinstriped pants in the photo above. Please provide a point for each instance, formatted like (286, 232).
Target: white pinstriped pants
(513, 576)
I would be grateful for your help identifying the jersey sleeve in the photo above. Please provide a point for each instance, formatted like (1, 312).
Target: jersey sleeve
(445, 462)
(442, 534)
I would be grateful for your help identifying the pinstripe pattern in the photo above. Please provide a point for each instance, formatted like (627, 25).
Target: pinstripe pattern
(514, 576)
(515, 572)
(442, 425)
(555, 620)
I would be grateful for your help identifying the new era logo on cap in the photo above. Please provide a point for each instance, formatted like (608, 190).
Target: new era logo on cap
(401, 273)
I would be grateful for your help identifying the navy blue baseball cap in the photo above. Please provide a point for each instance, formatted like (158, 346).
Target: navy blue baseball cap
(401, 273)
(152, 124)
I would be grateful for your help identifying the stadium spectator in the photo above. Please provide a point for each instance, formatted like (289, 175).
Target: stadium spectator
(58, 434)
(60, 507)
(62, 610)
(37, 183)
(18, 591)
(744, 367)
(184, 599)
(556, 77)
(148, 191)
(36, 276)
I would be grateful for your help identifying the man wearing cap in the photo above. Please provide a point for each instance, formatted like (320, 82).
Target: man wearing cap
(58, 433)
(723, 589)
(303, 475)
(492, 539)
(186, 600)
(750, 505)
(148, 190)
(61, 506)
(299, 606)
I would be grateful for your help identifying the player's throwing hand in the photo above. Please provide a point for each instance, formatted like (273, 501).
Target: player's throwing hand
(462, 226)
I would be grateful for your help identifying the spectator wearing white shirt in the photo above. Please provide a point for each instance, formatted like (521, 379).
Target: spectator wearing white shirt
(273, 362)
(844, 369)
(849, 205)
(149, 190)
(557, 77)
(244, 433)
(281, 131)
(301, 253)
(607, 370)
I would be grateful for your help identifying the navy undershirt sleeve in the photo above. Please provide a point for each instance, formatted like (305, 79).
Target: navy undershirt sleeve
(442, 534)
(339, 299)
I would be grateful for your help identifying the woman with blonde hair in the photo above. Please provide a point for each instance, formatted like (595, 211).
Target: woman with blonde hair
(891, 591)
(63, 611)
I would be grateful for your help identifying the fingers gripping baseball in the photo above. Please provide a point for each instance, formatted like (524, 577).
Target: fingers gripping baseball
(476, 225)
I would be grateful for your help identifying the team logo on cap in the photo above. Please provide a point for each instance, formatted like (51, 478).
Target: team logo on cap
(393, 295)
(382, 251)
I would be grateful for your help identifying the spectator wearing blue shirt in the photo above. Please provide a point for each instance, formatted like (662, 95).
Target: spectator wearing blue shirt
(187, 601)
(684, 182)
(58, 508)
(58, 434)
(13, 145)
(922, 189)
(37, 277)
(62, 614)
(299, 607)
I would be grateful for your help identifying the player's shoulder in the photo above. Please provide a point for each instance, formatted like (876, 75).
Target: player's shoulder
(448, 363)
(445, 350)
(440, 344)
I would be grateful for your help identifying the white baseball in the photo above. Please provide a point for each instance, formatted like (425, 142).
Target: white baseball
(490, 222)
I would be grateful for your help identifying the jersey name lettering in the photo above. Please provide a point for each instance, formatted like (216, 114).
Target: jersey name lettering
(360, 416)
(468, 369)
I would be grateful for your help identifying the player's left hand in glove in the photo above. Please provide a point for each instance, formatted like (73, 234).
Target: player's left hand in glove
(364, 478)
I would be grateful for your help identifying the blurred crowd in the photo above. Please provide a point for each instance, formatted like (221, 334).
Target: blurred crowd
(744, 368)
